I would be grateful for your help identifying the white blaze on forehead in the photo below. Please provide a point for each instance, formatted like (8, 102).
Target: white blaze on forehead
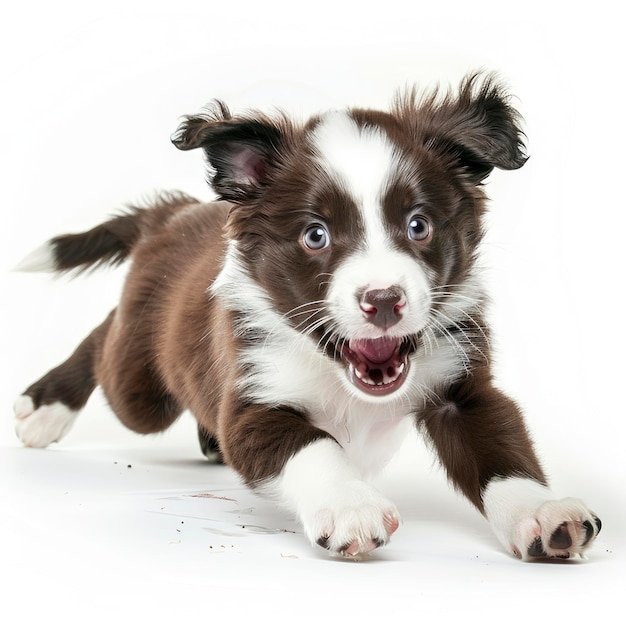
(361, 161)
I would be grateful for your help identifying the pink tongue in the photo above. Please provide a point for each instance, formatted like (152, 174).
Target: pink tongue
(375, 350)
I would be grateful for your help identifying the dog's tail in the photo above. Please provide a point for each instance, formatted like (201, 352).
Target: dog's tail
(110, 243)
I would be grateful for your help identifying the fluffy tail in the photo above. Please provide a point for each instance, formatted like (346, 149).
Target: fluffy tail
(109, 243)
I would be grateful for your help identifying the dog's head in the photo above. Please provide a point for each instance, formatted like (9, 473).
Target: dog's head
(362, 226)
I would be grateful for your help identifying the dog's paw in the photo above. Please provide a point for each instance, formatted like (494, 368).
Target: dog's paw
(337, 509)
(38, 427)
(355, 520)
(557, 529)
(532, 524)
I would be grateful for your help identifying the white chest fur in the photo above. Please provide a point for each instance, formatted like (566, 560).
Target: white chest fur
(284, 367)
(288, 370)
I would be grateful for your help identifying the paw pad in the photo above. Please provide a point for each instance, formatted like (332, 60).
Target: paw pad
(566, 540)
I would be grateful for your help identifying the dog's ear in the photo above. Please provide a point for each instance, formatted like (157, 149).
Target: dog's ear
(240, 150)
(477, 127)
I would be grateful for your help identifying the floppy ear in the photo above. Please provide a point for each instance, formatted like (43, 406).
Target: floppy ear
(239, 151)
(478, 127)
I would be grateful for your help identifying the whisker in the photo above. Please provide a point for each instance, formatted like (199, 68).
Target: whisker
(466, 316)
(452, 339)
(426, 334)
(466, 337)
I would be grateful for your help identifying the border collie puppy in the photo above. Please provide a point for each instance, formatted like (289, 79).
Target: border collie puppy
(324, 305)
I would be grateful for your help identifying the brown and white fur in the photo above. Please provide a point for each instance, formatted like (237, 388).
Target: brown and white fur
(324, 305)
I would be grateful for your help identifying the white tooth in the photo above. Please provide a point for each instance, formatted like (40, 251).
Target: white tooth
(366, 380)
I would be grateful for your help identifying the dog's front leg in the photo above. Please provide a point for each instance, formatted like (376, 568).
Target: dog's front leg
(307, 471)
(339, 511)
(482, 442)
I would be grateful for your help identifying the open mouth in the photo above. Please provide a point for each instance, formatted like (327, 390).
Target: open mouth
(378, 366)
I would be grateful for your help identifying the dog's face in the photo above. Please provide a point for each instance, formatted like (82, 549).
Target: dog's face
(362, 226)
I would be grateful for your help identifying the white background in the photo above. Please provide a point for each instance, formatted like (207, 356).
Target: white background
(90, 94)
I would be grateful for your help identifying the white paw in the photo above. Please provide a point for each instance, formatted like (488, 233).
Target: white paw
(38, 428)
(557, 529)
(338, 510)
(354, 520)
(531, 524)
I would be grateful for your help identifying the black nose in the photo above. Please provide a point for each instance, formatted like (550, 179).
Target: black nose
(383, 307)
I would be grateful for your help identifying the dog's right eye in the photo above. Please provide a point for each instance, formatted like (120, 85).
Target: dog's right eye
(316, 237)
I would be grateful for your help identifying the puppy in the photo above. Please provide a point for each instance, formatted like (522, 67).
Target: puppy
(327, 302)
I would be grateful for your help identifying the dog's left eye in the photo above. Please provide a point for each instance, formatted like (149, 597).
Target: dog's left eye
(419, 229)
(316, 237)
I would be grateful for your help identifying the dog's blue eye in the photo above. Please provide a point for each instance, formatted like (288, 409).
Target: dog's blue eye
(316, 237)
(419, 229)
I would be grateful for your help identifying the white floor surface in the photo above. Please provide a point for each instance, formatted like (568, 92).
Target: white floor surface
(110, 526)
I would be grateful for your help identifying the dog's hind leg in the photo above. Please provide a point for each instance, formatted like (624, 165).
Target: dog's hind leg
(46, 411)
(130, 379)
(107, 357)
(209, 446)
